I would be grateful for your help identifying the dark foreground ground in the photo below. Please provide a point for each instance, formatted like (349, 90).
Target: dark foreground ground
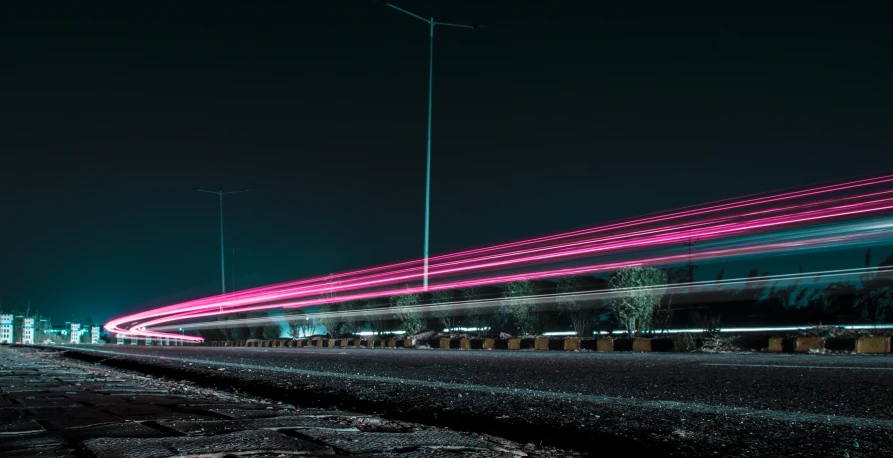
(52, 406)
(660, 404)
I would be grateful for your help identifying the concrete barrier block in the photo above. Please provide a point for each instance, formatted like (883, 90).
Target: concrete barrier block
(642, 345)
(805, 344)
(541, 344)
(604, 345)
(444, 344)
(489, 344)
(776, 344)
(514, 344)
(319, 343)
(873, 345)
(392, 343)
(465, 344)
(331, 343)
(572, 343)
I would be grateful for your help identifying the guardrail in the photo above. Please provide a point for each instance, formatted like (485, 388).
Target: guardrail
(866, 345)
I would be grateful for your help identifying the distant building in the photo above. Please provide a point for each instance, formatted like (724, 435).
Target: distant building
(75, 333)
(6, 326)
(28, 331)
(122, 339)
(94, 335)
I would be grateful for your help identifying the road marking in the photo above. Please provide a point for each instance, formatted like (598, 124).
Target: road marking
(797, 366)
(682, 406)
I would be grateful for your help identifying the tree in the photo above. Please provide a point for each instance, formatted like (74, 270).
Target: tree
(299, 323)
(329, 319)
(272, 331)
(349, 318)
(211, 334)
(875, 299)
(475, 316)
(232, 332)
(581, 311)
(376, 320)
(520, 306)
(256, 329)
(446, 316)
(238, 331)
(641, 289)
(411, 319)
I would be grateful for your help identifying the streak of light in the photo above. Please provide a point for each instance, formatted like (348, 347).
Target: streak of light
(488, 260)
(826, 241)
(595, 299)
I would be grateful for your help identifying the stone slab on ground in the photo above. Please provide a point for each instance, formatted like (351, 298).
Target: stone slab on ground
(240, 442)
(365, 442)
(204, 428)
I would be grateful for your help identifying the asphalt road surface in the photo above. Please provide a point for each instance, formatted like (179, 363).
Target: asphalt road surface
(664, 404)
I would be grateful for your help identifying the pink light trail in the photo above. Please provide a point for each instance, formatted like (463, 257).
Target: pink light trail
(708, 222)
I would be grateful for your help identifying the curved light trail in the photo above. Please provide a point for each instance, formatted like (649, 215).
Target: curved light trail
(692, 290)
(612, 246)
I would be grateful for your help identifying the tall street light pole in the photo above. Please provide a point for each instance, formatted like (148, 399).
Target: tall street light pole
(222, 250)
(431, 24)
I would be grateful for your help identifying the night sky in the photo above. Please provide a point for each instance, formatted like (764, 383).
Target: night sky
(558, 115)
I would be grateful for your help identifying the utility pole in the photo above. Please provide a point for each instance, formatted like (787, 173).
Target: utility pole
(232, 264)
(431, 24)
(222, 252)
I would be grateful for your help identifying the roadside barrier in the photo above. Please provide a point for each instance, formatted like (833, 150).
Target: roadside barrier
(873, 345)
(866, 345)
(806, 344)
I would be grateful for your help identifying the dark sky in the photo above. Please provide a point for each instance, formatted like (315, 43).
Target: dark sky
(559, 115)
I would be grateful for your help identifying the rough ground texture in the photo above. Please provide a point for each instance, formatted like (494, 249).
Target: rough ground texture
(58, 407)
(659, 404)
